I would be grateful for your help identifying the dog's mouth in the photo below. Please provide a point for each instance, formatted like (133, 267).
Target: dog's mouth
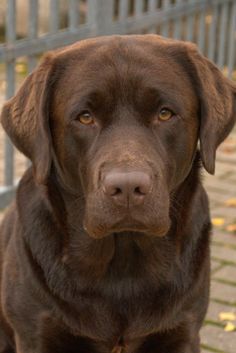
(103, 229)
(103, 216)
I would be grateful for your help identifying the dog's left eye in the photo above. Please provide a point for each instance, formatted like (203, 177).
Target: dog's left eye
(165, 114)
(86, 118)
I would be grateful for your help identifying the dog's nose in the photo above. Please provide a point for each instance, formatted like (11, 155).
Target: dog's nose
(127, 188)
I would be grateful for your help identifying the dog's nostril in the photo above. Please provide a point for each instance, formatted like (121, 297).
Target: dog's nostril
(138, 191)
(116, 191)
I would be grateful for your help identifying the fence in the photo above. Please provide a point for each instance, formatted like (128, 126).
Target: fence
(209, 23)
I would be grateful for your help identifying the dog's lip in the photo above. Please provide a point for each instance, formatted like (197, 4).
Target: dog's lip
(160, 232)
(134, 227)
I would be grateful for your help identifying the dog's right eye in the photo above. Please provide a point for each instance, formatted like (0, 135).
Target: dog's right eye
(165, 114)
(85, 118)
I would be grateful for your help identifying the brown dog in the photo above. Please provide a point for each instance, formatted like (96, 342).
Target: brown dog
(107, 246)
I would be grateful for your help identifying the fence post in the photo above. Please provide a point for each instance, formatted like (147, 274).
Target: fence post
(232, 41)
(166, 25)
(10, 38)
(223, 31)
(32, 30)
(178, 23)
(100, 16)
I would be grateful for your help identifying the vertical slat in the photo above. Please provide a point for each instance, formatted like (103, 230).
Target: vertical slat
(178, 23)
(152, 7)
(100, 16)
(165, 26)
(92, 12)
(123, 9)
(138, 7)
(10, 75)
(212, 33)
(33, 30)
(54, 16)
(190, 24)
(73, 14)
(223, 28)
(33, 34)
(232, 41)
(202, 30)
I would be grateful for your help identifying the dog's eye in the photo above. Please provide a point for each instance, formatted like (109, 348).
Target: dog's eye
(165, 114)
(85, 118)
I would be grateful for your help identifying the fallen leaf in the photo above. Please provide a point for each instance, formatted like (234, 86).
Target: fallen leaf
(20, 68)
(231, 228)
(227, 316)
(231, 202)
(229, 327)
(218, 221)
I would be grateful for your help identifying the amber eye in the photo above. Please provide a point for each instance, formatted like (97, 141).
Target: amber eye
(165, 114)
(86, 118)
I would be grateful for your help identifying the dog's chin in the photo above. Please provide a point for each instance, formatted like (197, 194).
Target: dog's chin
(102, 231)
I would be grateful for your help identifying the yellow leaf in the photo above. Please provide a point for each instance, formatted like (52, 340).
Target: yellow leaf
(218, 221)
(20, 68)
(231, 202)
(227, 316)
(230, 327)
(231, 228)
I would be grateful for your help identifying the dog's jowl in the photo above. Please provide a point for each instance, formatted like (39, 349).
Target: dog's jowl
(106, 247)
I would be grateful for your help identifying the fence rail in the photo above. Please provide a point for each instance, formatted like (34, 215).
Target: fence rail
(209, 23)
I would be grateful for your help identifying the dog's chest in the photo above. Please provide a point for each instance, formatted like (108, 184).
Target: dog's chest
(122, 324)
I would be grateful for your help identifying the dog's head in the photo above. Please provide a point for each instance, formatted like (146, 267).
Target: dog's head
(119, 118)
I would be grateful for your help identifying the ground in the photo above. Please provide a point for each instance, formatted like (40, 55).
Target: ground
(221, 189)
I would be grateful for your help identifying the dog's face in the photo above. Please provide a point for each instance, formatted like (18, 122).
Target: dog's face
(120, 118)
(125, 126)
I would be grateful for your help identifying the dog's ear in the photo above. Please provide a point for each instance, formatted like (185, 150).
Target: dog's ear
(217, 98)
(25, 118)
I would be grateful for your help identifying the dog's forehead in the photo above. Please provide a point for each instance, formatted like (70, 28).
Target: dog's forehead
(115, 63)
(119, 54)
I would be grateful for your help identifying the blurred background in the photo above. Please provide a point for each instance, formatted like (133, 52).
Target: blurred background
(29, 28)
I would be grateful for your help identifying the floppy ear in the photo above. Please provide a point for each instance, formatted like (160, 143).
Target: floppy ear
(25, 118)
(217, 96)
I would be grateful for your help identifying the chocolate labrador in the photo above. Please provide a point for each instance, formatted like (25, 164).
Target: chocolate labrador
(106, 248)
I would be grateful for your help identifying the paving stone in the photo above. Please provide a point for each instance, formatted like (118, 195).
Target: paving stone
(219, 197)
(224, 237)
(223, 292)
(218, 339)
(230, 212)
(215, 309)
(223, 253)
(215, 265)
(229, 159)
(226, 273)
(220, 186)
(232, 178)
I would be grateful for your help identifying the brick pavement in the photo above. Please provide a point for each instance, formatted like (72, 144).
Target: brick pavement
(221, 189)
